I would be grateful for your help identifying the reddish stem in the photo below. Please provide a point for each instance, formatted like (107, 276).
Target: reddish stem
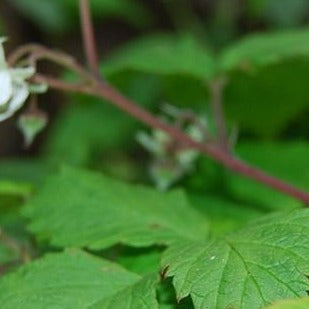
(216, 153)
(89, 38)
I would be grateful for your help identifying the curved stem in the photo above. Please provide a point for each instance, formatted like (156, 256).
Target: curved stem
(216, 153)
(38, 52)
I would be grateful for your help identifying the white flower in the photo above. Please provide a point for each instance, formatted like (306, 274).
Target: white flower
(14, 89)
(170, 161)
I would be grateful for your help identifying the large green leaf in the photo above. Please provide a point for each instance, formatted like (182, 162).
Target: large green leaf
(251, 268)
(163, 54)
(267, 101)
(264, 49)
(79, 208)
(184, 92)
(259, 71)
(72, 279)
(287, 161)
(258, 81)
(268, 76)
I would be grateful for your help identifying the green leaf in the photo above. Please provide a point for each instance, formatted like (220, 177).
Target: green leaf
(267, 101)
(287, 161)
(302, 303)
(268, 76)
(142, 295)
(251, 268)
(49, 15)
(72, 279)
(185, 92)
(163, 54)
(15, 188)
(224, 215)
(264, 49)
(87, 209)
(22, 172)
(140, 260)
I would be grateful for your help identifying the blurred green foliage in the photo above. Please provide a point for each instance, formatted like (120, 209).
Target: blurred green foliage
(61, 15)
(164, 54)
(265, 95)
(265, 98)
(280, 13)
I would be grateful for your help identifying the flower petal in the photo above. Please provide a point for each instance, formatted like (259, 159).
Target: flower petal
(6, 88)
(18, 99)
(21, 74)
(20, 96)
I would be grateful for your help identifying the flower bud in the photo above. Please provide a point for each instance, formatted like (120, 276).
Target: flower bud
(31, 124)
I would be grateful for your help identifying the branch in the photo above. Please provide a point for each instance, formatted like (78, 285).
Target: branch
(95, 87)
(36, 52)
(89, 38)
(110, 94)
